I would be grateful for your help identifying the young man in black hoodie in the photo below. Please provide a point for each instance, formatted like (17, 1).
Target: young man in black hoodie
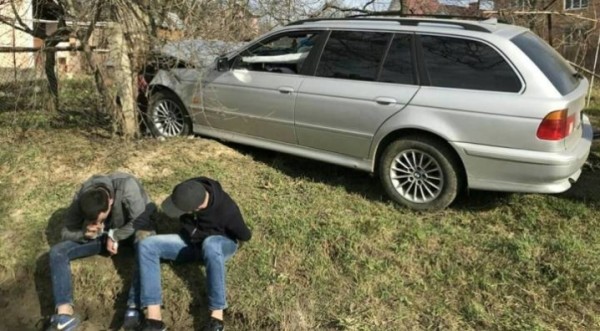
(212, 227)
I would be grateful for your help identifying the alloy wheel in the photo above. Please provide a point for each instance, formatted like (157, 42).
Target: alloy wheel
(417, 176)
(168, 118)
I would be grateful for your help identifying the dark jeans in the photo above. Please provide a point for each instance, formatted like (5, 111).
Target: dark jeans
(63, 253)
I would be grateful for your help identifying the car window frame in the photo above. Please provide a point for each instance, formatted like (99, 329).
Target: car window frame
(424, 70)
(322, 50)
(413, 53)
(541, 65)
(317, 48)
(316, 57)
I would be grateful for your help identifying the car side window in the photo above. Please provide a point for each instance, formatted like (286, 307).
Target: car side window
(398, 65)
(282, 54)
(353, 55)
(467, 64)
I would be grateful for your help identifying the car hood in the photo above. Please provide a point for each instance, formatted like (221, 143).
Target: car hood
(198, 53)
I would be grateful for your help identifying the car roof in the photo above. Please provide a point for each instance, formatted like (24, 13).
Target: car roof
(432, 24)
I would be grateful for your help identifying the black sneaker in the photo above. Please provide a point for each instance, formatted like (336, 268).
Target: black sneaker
(132, 319)
(214, 325)
(154, 325)
(63, 322)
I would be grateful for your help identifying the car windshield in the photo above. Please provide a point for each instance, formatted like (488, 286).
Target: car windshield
(550, 62)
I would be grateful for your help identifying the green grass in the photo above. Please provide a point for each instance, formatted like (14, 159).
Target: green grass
(329, 251)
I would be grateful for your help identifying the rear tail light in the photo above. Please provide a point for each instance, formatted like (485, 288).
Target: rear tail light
(557, 125)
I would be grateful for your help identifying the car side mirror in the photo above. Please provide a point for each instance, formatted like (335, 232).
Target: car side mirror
(222, 63)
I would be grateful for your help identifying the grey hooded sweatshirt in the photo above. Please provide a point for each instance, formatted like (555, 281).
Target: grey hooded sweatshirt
(131, 207)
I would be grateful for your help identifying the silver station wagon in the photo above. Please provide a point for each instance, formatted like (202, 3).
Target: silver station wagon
(432, 106)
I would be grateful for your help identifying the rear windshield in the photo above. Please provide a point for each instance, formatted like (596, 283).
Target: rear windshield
(558, 71)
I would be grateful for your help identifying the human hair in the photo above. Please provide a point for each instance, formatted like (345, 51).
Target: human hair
(92, 202)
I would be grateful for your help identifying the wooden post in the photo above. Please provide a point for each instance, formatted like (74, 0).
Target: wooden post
(549, 16)
(593, 72)
(14, 44)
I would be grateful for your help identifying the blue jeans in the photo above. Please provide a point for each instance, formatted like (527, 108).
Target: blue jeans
(215, 251)
(63, 253)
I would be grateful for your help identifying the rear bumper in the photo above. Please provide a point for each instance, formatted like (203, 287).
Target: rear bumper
(506, 169)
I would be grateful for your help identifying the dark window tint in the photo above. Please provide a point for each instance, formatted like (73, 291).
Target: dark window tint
(467, 64)
(353, 55)
(558, 71)
(398, 66)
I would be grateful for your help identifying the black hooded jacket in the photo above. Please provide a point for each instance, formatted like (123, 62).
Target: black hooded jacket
(222, 216)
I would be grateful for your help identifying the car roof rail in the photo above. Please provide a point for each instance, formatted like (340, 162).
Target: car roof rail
(409, 19)
(482, 19)
(401, 14)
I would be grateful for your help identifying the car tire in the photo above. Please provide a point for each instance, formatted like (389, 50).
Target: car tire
(166, 116)
(421, 173)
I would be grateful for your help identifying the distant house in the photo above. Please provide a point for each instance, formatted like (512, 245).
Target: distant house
(12, 38)
(241, 23)
(420, 7)
(471, 9)
(436, 7)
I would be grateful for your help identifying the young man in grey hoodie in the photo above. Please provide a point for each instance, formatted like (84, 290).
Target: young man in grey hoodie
(106, 210)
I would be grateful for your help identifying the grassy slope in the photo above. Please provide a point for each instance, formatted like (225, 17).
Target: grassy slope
(329, 250)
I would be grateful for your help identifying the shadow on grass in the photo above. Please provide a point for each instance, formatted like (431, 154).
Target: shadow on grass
(124, 264)
(195, 280)
(476, 200)
(587, 187)
(358, 182)
(353, 181)
(43, 283)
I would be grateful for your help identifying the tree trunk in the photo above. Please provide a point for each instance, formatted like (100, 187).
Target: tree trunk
(106, 97)
(125, 93)
(50, 70)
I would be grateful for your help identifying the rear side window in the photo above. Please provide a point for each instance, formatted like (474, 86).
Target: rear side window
(558, 71)
(398, 64)
(467, 64)
(353, 55)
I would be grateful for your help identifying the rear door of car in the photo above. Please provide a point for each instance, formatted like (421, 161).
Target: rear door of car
(361, 79)
(257, 95)
(473, 92)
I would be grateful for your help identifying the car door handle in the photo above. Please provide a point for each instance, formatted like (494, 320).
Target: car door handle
(385, 101)
(286, 90)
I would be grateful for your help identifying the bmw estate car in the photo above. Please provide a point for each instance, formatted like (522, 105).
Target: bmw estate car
(432, 106)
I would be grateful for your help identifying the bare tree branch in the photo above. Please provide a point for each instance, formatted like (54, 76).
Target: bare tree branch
(92, 25)
(368, 4)
(20, 20)
(345, 9)
(10, 22)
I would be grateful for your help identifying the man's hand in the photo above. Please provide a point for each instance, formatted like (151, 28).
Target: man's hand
(112, 246)
(93, 230)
